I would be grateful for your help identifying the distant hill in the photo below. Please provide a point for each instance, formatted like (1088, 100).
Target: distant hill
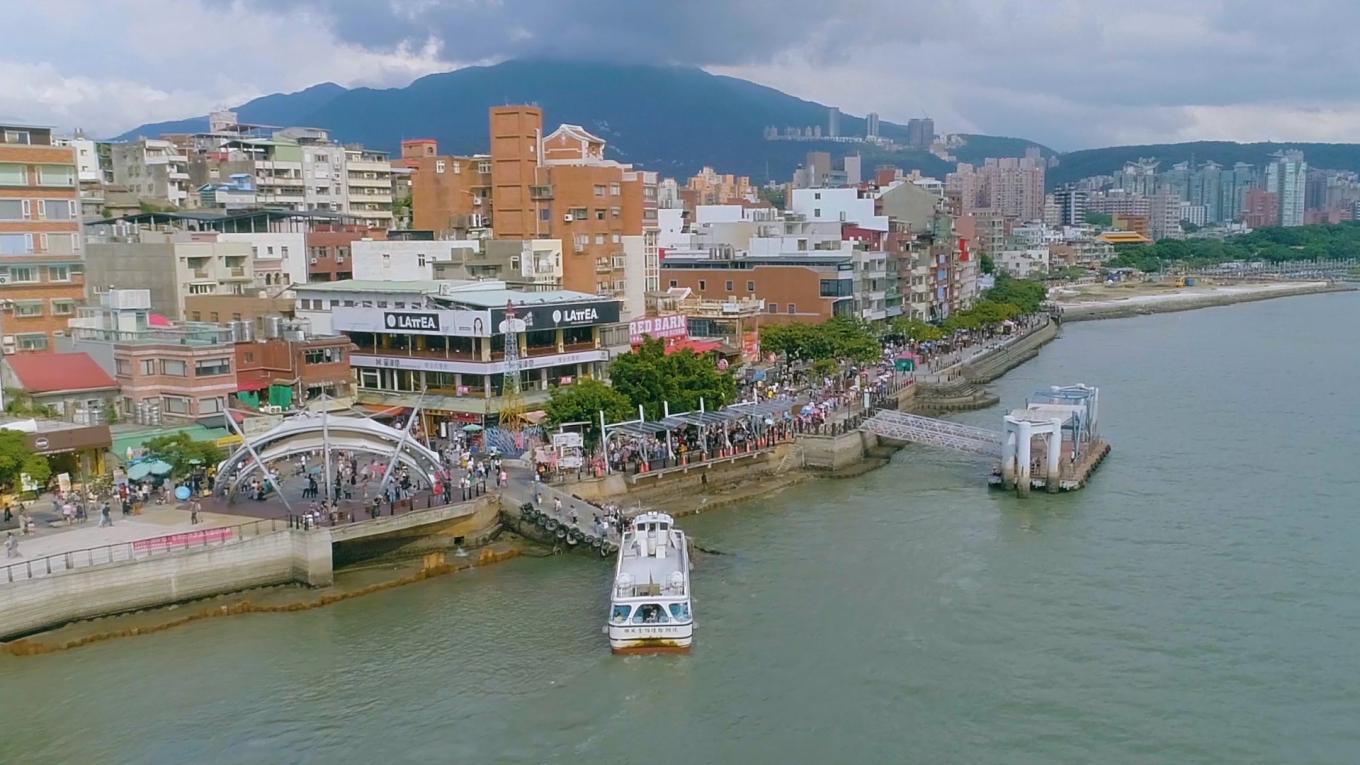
(1080, 164)
(665, 118)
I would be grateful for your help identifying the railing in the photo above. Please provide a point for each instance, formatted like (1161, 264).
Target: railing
(137, 549)
(452, 495)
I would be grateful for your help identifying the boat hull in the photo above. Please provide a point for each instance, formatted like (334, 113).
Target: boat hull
(674, 639)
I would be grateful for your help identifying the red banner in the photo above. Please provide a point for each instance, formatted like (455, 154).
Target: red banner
(186, 539)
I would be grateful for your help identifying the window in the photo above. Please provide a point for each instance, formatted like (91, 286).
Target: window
(484, 168)
(201, 289)
(63, 307)
(615, 212)
(148, 366)
(581, 240)
(209, 405)
(703, 285)
(439, 165)
(578, 213)
(58, 273)
(613, 189)
(122, 367)
(673, 284)
(368, 378)
(33, 342)
(615, 238)
(750, 286)
(16, 244)
(13, 209)
(817, 211)
(175, 405)
(817, 195)
(58, 209)
(793, 308)
(173, 367)
(599, 213)
(28, 308)
(56, 175)
(59, 244)
(322, 355)
(283, 251)
(13, 175)
(208, 367)
(599, 239)
(773, 307)
(22, 274)
(20, 136)
(599, 190)
(544, 214)
(420, 259)
(728, 285)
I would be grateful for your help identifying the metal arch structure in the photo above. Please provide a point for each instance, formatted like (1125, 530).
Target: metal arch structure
(305, 432)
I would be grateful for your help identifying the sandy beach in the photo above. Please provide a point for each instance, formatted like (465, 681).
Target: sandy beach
(1100, 301)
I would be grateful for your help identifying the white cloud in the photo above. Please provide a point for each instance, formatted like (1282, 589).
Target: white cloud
(1069, 73)
(175, 60)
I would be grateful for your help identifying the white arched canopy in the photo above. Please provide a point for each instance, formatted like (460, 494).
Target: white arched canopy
(306, 432)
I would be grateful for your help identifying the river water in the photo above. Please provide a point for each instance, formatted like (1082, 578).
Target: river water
(1197, 603)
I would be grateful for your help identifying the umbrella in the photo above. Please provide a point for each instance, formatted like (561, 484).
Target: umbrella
(139, 471)
(160, 467)
(472, 428)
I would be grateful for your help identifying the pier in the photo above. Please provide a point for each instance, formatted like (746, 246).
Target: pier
(1063, 418)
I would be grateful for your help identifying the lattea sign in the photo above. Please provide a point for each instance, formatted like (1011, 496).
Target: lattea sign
(418, 322)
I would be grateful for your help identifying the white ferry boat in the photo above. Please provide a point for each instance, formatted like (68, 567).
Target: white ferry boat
(650, 608)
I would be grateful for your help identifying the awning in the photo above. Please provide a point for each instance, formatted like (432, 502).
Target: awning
(383, 410)
(697, 346)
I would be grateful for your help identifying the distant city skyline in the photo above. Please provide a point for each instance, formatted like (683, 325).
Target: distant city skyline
(1070, 76)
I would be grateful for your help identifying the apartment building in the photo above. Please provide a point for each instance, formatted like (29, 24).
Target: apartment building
(709, 187)
(368, 186)
(42, 277)
(450, 195)
(156, 170)
(171, 264)
(1009, 186)
(330, 255)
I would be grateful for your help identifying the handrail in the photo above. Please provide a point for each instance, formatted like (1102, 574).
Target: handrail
(125, 551)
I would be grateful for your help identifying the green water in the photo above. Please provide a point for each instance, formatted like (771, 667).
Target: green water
(1197, 603)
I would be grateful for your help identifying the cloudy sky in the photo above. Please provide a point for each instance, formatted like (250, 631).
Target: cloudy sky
(1068, 73)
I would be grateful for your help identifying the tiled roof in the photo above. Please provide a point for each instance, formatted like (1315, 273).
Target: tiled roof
(48, 372)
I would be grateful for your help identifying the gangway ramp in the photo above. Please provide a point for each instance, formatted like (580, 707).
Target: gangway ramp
(929, 431)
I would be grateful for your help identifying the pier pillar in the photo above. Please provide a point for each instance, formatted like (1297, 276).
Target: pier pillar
(1008, 459)
(1022, 457)
(1054, 465)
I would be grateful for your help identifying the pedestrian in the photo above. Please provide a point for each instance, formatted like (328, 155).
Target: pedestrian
(557, 505)
(193, 512)
(105, 519)
(504, 479)
(11, 545)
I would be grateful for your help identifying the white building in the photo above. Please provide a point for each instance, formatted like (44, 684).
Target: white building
(280, 258)
(837, 206)
(368, 175)
(1023, 264)
(404, 261)
(1195, 215)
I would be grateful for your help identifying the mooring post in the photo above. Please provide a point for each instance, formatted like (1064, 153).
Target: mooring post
(1022, 457)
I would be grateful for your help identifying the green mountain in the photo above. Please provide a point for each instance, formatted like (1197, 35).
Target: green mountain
(1080, 164)
(666, 118)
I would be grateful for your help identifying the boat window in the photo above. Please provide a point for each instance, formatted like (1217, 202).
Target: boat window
(650, 613)
(680, 611)
(620, 613)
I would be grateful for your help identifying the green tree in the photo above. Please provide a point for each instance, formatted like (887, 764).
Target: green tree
(1025, 294)
(987, 264)
(838, 338)
(648, 376)
(16, 458)
(583, 402)
(1099, 219)
(183, 453)
(915, 329)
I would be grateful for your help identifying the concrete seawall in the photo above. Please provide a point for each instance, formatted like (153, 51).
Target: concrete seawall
(992, 365)
(1124, 309)
(278, 557)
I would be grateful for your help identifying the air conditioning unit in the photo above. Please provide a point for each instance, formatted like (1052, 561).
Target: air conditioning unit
(271, 409)
(567, 218)
(313, 262)
(478, 201)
